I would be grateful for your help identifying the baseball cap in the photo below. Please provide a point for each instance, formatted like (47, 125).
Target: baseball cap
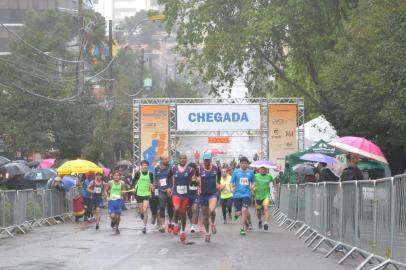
(207, 156)
(242, 159)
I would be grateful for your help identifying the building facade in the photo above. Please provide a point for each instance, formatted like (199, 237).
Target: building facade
(12, 14)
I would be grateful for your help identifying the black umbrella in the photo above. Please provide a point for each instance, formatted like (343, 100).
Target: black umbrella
(14, 169)
(40, 174)
(33, 163)
(3, 160)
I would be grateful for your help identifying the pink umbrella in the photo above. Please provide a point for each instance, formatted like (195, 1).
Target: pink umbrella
(360, 146)
(106, 171)
(214, 151)
(46, 163)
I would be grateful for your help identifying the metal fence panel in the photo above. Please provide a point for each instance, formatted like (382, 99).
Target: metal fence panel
(292, 208)
(301, 202)
(333, 210)
(399, 218)
(349, 220)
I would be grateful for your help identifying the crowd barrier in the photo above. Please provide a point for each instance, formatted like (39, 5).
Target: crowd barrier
(22, 210)
(365, 217)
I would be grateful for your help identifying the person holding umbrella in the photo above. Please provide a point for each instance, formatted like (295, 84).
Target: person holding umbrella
(352, 172)
(95, 188)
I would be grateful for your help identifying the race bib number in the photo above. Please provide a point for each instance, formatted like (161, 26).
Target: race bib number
(97, 190)
(244, 181)
(162, 182)
(181, 189)
(156, 192)
(192, 187)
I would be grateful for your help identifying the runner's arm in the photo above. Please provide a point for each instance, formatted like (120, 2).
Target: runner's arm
(137, 176)
(90, 187)
(107, 188)
(218, 175)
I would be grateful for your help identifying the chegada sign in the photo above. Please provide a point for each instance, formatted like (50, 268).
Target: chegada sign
(224, 117)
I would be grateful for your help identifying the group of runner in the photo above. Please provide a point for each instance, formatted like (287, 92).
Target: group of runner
(186, 190)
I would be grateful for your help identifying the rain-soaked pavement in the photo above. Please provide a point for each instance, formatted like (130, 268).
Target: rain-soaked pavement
(80, 246)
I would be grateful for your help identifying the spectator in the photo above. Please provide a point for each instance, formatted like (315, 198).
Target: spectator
(57, 184)
(352, 172)
(326, 174)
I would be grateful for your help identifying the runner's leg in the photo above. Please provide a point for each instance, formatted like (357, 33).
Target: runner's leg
(145, 206)
(224, 208)
(206, 222)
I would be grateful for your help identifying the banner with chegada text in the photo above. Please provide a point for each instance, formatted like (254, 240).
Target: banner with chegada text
(154, 132)
(221, 117)
(282, 125)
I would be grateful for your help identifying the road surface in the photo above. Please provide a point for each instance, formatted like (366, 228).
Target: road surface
(79, 246)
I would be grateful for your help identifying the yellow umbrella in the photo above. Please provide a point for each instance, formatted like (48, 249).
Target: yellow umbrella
(79, 166)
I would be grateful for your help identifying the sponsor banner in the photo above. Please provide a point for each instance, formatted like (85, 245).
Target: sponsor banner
(282, 124)
(219, 140)
(224, 117)
(154, 129)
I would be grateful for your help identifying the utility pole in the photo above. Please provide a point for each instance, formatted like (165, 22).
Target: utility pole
(80, 68)
(109, 96)
(142, 69)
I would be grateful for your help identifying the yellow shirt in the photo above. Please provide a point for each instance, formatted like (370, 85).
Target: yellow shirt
(226, 191)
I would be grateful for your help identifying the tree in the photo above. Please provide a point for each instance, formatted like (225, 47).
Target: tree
(365, 78)
(345, 57)
(37, 86)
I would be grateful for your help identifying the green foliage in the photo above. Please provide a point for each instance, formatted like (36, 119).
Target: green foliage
(367, 92)
(345, 57)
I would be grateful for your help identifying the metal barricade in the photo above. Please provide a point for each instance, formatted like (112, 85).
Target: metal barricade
(399, 219)
(367, 217)
(21, 210)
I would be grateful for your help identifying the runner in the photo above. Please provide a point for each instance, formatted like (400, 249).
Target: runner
(208, 184)
(193, 199)
(161, 173)
(180, 177)
(243, 181)
(261, 193)
(143, 183)
(86, 197)
(95, 188)
(226, 196)
(114, 192)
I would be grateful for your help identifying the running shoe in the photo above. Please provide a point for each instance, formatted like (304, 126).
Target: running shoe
(112, 224)
(201, 230)
(183, 237)
(144, 230)
(213, 229)
(207, 239)
(170, 229)
(117, 231)
(97, 226)
(243, 232)
(266, 227)
(192, 229)
(162, 229)
(260, 224)
(153, 220)
(175, 230)
(250, 227)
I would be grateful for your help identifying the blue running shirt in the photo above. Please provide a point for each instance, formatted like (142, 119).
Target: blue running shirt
(242, 181)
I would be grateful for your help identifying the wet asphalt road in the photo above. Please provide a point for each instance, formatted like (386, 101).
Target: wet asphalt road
(80, 246)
